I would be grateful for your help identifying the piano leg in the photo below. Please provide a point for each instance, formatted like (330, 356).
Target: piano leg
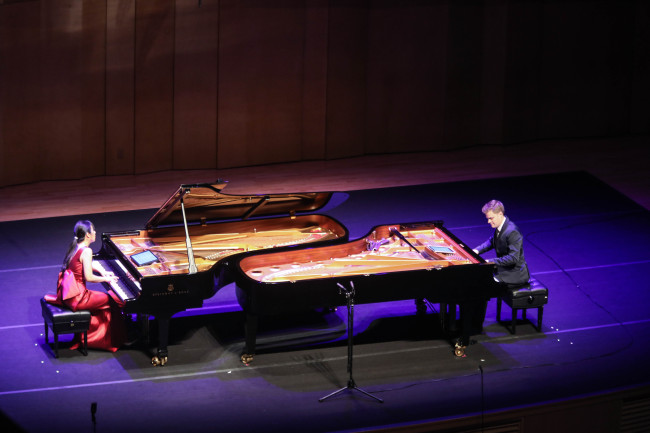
(472, 315)
(163, 339)
(143, 319)
(448, 317)
(479, 317)
(250, 330)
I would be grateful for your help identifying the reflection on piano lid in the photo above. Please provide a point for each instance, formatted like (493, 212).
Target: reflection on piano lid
(206, 203)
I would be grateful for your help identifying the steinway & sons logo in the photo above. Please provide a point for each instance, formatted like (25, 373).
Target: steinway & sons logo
(171, 291)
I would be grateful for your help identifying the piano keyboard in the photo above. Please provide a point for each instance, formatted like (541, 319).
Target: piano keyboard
(126, 287)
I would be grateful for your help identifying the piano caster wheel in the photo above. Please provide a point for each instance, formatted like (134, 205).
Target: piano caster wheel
(459, 351)
(159, 361)
(246, 358)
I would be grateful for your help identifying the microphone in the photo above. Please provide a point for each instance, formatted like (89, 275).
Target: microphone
(348, 292)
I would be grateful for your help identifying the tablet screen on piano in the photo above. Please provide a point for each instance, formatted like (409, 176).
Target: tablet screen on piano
(144, 258)
(440, 249)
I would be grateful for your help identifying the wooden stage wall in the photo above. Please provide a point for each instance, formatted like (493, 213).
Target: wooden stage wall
(114, 87)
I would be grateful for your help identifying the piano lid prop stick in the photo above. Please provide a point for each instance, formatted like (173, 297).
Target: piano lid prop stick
(190, 253)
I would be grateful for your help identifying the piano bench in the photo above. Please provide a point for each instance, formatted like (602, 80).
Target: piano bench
(530, 295)
(62, 320)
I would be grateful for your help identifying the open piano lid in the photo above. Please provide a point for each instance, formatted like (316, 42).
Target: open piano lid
(206, 203)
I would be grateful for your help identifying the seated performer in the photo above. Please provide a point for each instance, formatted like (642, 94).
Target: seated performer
(511, 267)
(508, 243)
(107, 325)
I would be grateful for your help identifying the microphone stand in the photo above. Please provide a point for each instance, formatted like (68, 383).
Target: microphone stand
(349, 294)
(93, 411)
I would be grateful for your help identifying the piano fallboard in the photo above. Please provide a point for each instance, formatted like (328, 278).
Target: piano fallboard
(167, 294)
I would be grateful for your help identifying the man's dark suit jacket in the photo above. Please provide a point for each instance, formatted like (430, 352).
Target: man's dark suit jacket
(510, 262)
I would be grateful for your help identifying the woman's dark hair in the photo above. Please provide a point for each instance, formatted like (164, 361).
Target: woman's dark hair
(80, 230)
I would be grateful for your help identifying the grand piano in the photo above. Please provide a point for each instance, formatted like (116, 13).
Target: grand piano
(392, 262)
(179, 258)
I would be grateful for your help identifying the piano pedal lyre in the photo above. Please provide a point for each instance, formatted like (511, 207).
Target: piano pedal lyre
(159, 361)
(459, 351)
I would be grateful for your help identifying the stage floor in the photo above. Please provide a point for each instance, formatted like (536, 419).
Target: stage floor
(583, 239)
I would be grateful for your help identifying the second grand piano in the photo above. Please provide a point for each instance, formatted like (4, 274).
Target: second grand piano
(392, 262)
(177, 260)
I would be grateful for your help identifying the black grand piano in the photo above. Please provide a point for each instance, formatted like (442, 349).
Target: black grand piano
(177, 260)
(392, 262)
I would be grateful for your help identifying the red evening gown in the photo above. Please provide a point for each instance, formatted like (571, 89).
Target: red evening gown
(107, 326)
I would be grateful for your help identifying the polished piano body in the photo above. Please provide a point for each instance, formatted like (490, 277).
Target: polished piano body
(179, 258)
(393, 262)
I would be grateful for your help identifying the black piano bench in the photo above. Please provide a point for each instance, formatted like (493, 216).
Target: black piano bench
(533, 294)
(62, 320)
